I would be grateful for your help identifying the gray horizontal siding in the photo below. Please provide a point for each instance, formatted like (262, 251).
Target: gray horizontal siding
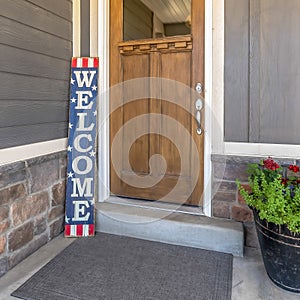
(29, 134)
(36, 111)
(58, 7)
(35, 55)
(21, 87)
(25, 37)
(34, 16)
(32, 64)
(262, 71)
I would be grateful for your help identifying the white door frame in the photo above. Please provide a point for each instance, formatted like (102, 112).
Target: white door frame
(103, 132)
(103, 106)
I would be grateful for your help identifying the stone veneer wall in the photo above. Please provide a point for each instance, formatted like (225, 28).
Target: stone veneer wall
(32, 196)
(227, 202)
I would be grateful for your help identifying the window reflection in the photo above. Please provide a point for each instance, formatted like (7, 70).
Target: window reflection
(144, 19)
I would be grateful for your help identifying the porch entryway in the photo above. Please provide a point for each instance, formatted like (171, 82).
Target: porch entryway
(140, 68)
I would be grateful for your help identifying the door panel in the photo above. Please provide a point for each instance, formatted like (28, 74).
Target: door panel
(135, 67)
(155, 151)
(170, 64)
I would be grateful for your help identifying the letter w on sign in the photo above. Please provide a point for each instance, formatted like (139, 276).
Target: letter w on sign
(80, 192)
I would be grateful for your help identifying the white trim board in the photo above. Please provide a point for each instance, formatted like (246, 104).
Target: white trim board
(207, 208)
(21, 153)
(93, 28)
(253, 149)
(76, 28)
(103, 106)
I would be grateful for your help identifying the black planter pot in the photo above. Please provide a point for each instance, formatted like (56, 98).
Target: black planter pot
(281, 254)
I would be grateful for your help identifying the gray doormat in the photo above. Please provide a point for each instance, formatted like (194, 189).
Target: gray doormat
(114, 267)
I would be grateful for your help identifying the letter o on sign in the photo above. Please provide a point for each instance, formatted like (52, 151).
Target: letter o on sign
(88, 165)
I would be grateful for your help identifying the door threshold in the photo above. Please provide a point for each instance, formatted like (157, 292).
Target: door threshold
(157, 205)
(178, 227)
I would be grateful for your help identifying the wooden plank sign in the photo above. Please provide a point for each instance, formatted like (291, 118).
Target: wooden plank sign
(80, 191)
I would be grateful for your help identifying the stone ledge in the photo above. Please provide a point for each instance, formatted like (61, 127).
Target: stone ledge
(45, 158)
(12, 167)
(171, 227)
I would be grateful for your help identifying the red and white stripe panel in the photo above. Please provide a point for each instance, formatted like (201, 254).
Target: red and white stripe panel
(79, 230)
(85, 62)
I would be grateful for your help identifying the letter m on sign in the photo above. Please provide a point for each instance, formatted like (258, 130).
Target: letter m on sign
(80, 191)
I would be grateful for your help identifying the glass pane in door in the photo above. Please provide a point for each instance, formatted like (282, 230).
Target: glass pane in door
(144, 19)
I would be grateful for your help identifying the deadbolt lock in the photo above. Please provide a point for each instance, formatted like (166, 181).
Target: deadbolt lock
(199, 88)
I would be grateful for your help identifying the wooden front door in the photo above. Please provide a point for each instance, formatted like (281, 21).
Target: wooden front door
(156, 145)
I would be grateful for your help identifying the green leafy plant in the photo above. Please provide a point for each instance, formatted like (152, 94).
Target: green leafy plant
(275, 193)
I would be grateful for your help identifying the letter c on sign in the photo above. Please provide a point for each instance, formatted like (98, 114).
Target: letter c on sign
(77, 142)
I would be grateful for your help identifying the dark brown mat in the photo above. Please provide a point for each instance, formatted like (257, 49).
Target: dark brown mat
(115, 267)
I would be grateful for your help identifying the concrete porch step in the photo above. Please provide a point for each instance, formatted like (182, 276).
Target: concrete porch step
(170, 227)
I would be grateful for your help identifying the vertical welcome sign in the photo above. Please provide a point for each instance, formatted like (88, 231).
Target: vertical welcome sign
(80, 191)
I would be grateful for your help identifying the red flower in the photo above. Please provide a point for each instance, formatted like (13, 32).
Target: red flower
(270, 164)
(294, 168)
(284, 181)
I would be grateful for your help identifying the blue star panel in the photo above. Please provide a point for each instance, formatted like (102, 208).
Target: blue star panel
(80, 192)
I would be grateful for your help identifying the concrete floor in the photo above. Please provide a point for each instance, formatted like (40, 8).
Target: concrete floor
(250, 282)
